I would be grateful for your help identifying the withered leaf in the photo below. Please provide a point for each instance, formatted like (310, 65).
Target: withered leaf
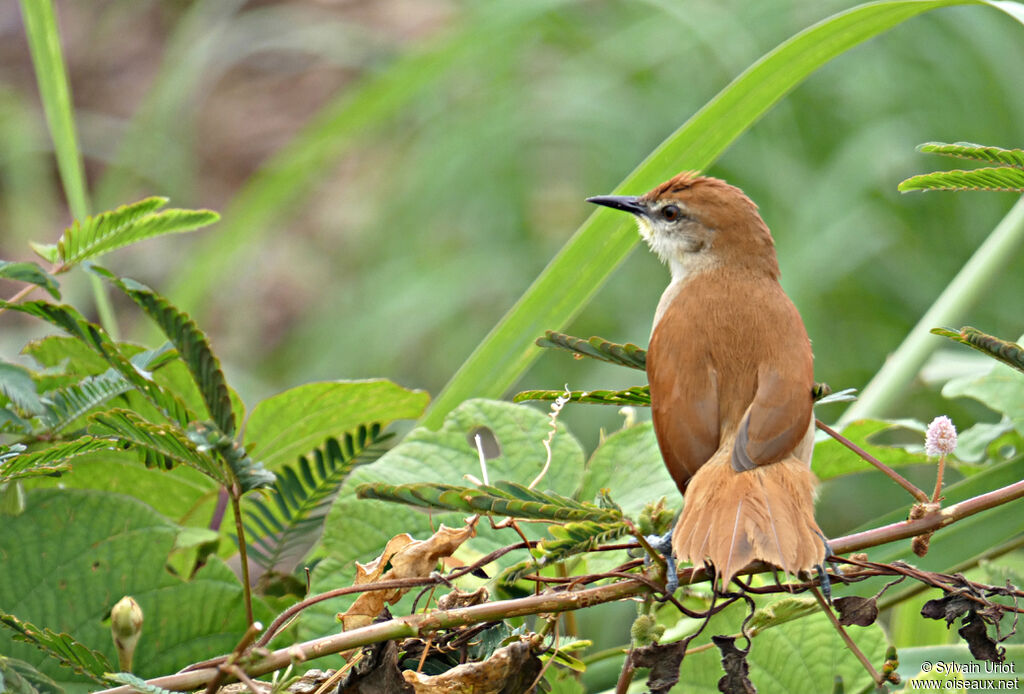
(509, 670)
(948, 607)
(734, 662)
(409, 558)
(981, 645)
(856, 611)
(664, 661)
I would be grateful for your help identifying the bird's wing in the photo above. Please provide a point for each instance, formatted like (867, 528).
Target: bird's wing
(684, 407)
(777, 420)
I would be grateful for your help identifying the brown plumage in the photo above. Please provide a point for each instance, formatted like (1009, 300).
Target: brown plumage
(731, 371)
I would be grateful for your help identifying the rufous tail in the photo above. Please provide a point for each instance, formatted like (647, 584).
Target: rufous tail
(733, 518)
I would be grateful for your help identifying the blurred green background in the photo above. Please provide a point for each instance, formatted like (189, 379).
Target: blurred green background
(394, 173)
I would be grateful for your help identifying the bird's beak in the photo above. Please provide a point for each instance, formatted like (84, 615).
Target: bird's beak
(626, 203)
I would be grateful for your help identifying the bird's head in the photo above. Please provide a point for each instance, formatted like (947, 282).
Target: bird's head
(696, 223)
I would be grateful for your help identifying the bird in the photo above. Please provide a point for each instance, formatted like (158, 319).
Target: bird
(731, 373)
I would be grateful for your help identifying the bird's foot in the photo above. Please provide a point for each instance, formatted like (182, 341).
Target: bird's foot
(825, 582)
(663, 545)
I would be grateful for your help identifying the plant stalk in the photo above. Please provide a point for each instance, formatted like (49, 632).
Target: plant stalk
(243, 554)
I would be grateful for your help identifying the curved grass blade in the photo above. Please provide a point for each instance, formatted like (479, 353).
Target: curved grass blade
(969, 150)
(1009, 353)
(595, 250)
(637, 396)
(1003, 178)
(192, 345)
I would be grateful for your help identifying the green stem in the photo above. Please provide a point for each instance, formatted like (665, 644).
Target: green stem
(966, 289)
(243, 554)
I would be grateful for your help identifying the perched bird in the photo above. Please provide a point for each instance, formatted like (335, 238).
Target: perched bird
(731, 371)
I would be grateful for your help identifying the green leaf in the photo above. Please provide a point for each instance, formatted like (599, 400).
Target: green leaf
(88, 239)
(987, 178)
(162, 445)
(596, 348)
(573, 277)
(77, 552)
(192, 345)
(285, 525)
(291, 423)
(49, 460)
(577, 537)
(969, 150)
(637, 396)
(67, 353)
(61, 647)
(45, 46)
(250, 474)
(31, 273)
(1009, 353)
(16, 383)
(1000, 389)
(629, 465)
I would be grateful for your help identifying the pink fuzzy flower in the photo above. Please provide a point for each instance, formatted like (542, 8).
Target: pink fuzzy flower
(941, 437)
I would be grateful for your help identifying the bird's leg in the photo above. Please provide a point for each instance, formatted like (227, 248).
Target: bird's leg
(663, 544)
(826, 584)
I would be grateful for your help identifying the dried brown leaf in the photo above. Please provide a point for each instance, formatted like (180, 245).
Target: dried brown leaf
(509, 670)
(734, 662)
(409, 558)
(856, 611)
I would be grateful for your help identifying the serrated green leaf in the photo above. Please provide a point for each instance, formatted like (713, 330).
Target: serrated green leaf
(628, 463)
(296, 421)
(49, 460)
(16, 383)
(164, 445)
(127, 224)
(191, 343)
(783, 610)
(986, 178)
(969, 150)
(31, 273)
(61, 647)
(67, 353)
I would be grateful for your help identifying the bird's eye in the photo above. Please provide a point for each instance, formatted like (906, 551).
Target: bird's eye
(671, 213)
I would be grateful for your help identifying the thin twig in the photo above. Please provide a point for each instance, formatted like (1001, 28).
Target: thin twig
(895, 476)
(879, 680)
(243, 553)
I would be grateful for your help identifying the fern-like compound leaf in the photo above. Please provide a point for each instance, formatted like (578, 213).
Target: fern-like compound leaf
(500, 499)
(62, 647)
(596, 348)
(1003, 178)
(1009, 353)
(31, 273)
(287, 524)
(637, 396)
(15, 463)
(159, 445)
(969, 150)
(94, 236)
(191, 343)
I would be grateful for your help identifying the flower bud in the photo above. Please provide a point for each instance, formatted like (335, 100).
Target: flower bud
(126, 628)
